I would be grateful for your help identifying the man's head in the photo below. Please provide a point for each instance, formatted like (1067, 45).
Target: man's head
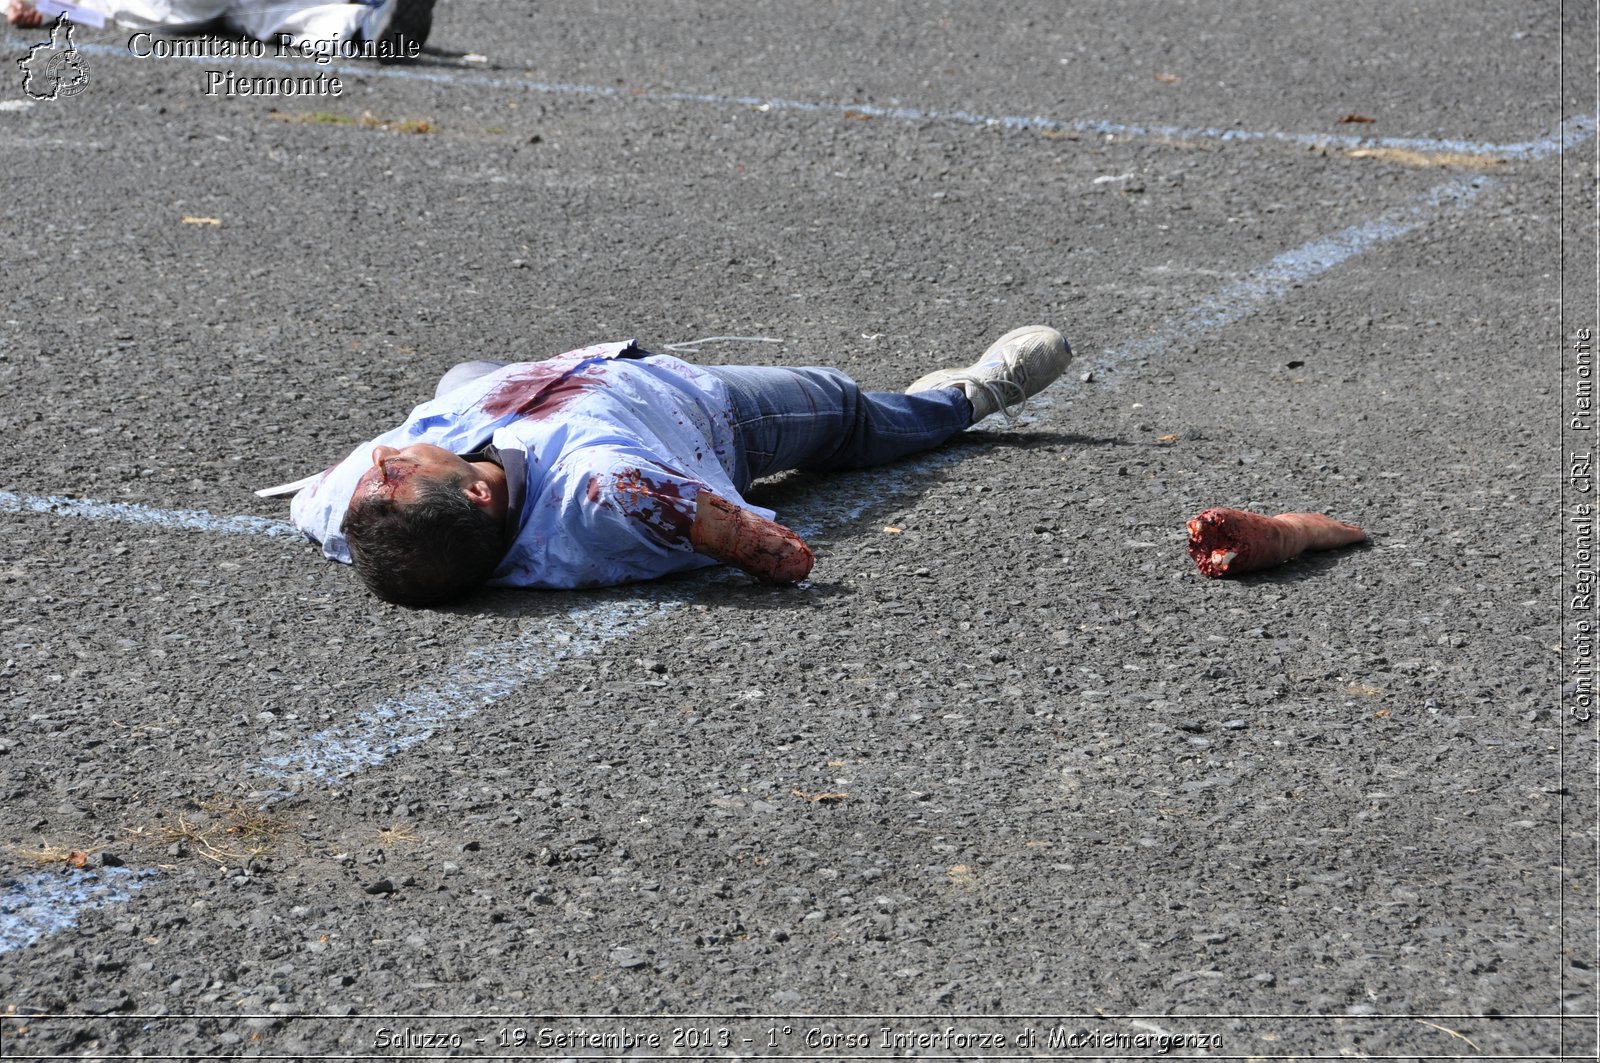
(425, 525)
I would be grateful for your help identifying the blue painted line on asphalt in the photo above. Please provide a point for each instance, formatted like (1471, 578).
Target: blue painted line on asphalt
(48, 902)
(1572, 132)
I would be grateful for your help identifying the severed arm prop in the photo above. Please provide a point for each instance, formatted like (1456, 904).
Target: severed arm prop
(748, 541)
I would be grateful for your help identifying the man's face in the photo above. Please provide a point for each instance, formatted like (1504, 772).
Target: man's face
(395, 473)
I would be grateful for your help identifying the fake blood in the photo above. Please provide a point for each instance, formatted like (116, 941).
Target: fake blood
(665, 507)
(538, 390)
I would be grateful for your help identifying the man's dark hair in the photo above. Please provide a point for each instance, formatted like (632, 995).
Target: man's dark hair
(435, 548)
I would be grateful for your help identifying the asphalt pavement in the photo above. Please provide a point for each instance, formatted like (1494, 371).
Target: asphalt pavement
(1007, 778)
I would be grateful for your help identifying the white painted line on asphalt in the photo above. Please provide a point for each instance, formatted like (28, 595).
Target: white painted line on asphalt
(1271, 282)
(851, 495)
(202, 520)
(47, 902)
(37, 145)
(483, 677)
(135, 513)
(1574, 131)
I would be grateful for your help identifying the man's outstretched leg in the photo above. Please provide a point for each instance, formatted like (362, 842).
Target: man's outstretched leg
(819, 419)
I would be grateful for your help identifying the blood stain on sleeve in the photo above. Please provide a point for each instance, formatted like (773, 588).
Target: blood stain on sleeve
(666, 509)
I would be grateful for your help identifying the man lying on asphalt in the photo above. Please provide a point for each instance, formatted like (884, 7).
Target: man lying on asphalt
(610, 464)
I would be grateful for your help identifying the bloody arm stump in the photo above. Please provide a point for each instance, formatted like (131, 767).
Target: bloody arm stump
(1230, 542)
(748, 541)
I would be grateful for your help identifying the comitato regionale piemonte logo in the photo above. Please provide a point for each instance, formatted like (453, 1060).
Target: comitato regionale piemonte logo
(54, 69)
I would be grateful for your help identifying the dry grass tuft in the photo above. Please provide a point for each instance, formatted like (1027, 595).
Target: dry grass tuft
(229, 833)
(46, 855)
(1453, 160)
(368, 120)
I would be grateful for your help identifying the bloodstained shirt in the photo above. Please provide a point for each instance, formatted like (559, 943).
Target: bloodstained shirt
(617, 445)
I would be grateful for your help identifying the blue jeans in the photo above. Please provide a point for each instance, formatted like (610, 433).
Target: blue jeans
(811, 419)
(819, 419)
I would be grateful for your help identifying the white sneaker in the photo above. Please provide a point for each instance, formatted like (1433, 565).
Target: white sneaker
(1019, 364)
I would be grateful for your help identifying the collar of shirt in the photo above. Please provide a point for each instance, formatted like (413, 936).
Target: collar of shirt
(515, 465)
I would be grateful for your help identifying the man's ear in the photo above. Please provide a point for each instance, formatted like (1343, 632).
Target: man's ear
(478, 492)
